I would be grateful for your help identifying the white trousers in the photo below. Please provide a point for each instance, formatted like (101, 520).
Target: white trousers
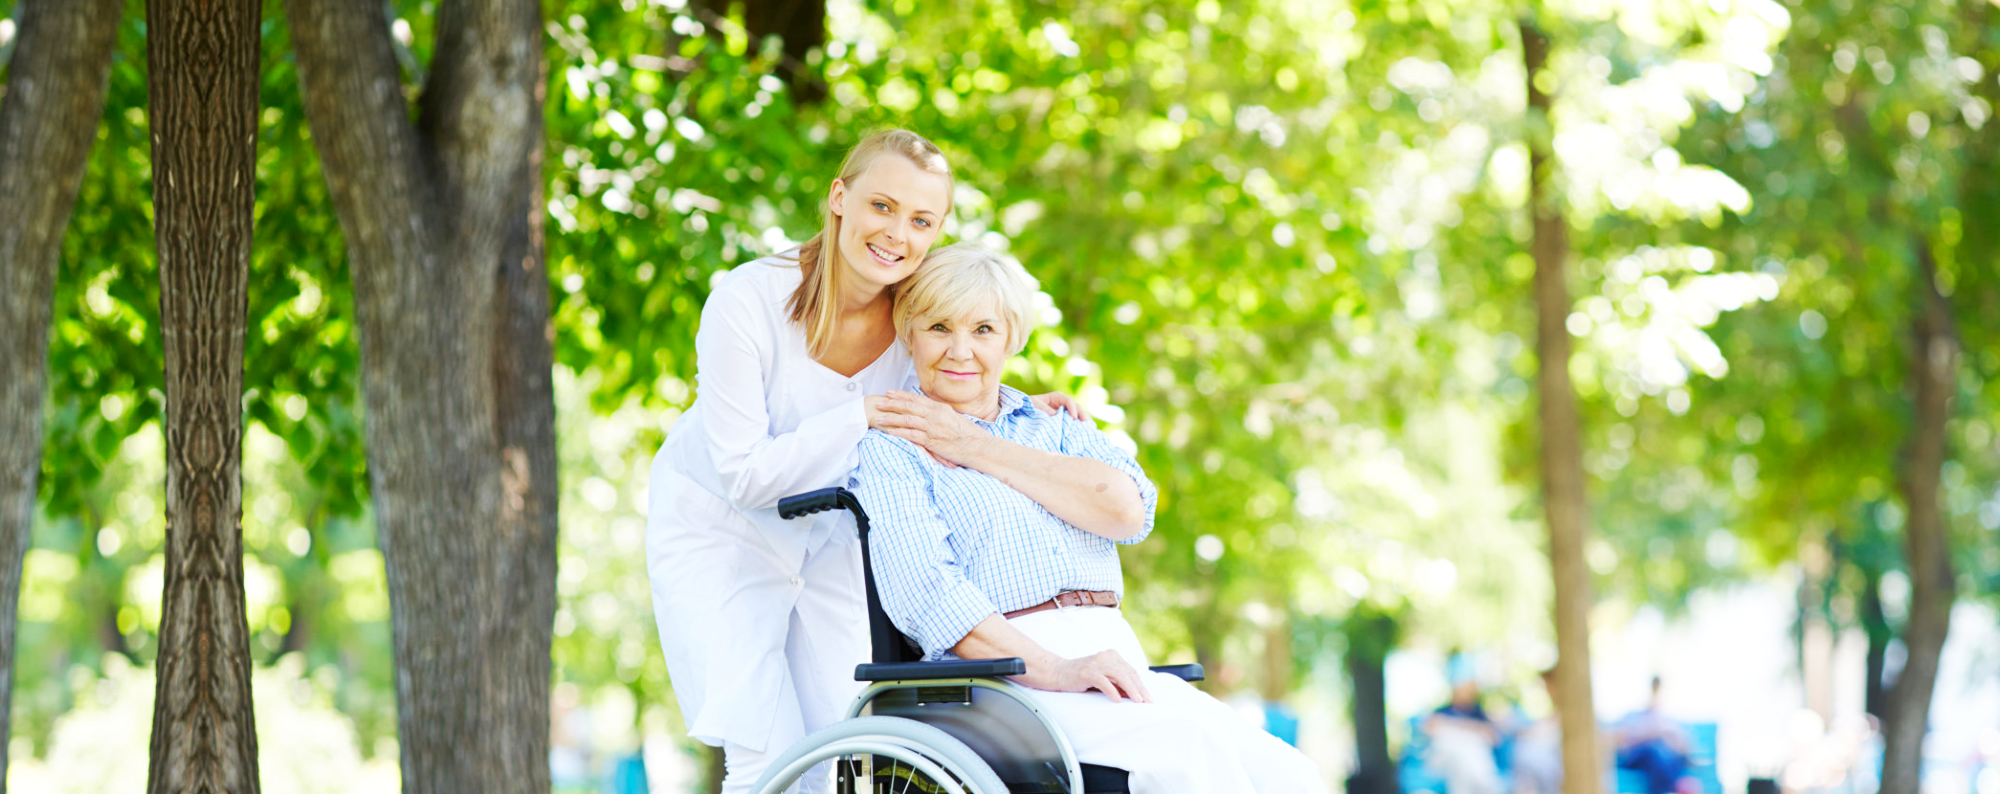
(1183, 742)
(804, 706)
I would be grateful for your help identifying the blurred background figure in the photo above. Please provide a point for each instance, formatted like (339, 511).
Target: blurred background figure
(1462, 736)
(571, 754)
(1840, 757)
(1655, 746)
(1538, 767)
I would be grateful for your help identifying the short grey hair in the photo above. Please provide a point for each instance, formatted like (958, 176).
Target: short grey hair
(962, 278)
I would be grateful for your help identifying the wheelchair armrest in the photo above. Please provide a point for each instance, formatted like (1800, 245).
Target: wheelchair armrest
(1185, 672)
(931, 671)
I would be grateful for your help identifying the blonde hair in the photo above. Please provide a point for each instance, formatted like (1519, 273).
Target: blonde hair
(963, 278)
(813, 304)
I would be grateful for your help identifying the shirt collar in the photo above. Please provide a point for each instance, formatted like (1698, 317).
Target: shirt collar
(1012, 401)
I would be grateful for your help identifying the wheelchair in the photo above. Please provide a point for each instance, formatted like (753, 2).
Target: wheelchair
(957, 727)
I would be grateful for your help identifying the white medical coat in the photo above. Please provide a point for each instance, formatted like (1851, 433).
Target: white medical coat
(738, 591)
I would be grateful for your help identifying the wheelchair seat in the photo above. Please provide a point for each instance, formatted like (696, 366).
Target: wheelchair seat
(961, 718)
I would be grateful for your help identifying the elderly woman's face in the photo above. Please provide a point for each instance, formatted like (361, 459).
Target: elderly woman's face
(959, 360)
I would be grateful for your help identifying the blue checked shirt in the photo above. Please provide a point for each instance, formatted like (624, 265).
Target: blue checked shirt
(951, 546)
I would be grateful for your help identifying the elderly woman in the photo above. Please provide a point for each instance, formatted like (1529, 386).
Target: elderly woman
(1022, 560)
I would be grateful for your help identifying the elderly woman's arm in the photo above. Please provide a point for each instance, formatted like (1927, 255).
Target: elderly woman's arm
(1104, 671)
(1090, 494)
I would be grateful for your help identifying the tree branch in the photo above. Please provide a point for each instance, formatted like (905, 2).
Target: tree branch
(354, 101)
(483, 90)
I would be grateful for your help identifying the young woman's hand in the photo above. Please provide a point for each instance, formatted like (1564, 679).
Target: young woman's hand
(1055, 401)
(878, 412)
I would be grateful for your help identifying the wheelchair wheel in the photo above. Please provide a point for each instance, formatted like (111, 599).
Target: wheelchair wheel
(884, 755)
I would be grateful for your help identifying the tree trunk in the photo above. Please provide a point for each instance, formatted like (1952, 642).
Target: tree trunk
(801, 24)
(1370, 635)
(1934, 358)
(442, 220)
(1815, 636)
(1875, 624)
(1561, 454)
(48, 119)
(1276, 677)
(203, 59)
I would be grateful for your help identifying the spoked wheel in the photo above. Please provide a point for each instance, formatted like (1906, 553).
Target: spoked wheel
(884, 755)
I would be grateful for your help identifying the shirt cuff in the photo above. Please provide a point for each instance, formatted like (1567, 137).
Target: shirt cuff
(951, 616)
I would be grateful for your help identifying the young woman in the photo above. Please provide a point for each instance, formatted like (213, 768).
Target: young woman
(762, 619)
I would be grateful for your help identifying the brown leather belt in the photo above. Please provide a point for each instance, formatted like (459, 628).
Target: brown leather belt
(1070, 598)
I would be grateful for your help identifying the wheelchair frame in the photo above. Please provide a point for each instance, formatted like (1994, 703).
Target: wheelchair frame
(968, 700)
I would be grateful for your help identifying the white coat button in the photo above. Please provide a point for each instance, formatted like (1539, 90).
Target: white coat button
(795, 581)
(852, 387)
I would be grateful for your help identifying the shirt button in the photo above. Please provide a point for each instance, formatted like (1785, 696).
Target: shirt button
(852, 387)
(795, 581)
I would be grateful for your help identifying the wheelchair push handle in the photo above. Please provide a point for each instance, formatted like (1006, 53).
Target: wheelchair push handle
(809, 502)
(821, 501)
(885, 642)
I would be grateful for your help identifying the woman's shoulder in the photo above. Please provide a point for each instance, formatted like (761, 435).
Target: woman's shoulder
(883, 447)
(766, 281)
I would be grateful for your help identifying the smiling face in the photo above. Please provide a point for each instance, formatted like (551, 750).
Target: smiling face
(889, 216)
(959, 360)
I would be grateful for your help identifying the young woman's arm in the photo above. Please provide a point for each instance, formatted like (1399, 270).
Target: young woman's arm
(736, 351)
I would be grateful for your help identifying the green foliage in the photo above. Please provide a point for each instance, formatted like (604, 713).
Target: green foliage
(1867, 141)
(1283, 246)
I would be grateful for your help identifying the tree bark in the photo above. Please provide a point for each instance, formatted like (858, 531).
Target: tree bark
(1370, 635)
(48, 119)
(801, 24)
(203, 61)
(1277, 658)
(1934, 357)
(1561, 455)
(1815, 636)
(442, 220)
(1875, 624)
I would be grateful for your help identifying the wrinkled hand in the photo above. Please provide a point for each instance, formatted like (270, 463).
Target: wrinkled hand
(1104, 671)
(1055, 401)
(940, 430)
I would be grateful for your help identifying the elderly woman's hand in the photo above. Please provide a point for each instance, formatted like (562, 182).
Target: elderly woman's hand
(1104, 671)
(945, 433)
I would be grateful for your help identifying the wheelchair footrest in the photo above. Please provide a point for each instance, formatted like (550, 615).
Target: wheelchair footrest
(932, 671)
